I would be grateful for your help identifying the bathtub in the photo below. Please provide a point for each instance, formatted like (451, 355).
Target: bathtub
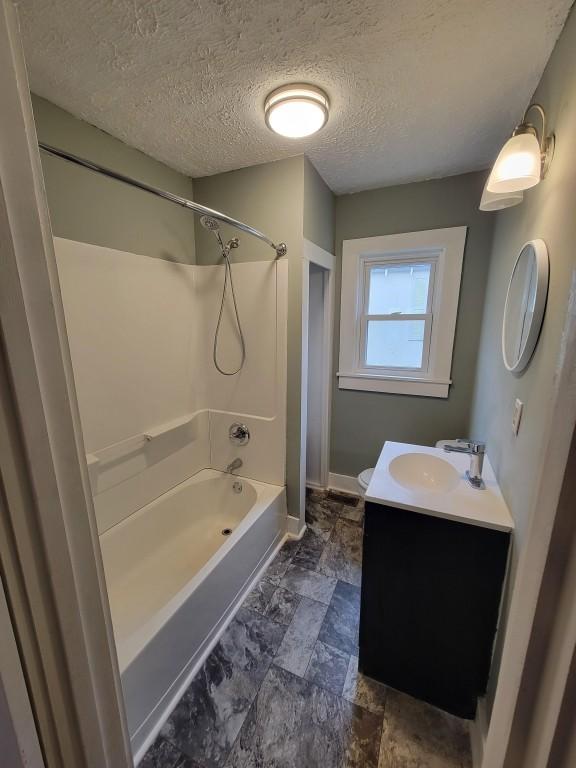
(175, 571)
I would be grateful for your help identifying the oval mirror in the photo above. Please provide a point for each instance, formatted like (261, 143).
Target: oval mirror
(525, 305)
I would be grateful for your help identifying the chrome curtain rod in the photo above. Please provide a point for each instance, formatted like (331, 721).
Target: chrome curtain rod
(201, 210)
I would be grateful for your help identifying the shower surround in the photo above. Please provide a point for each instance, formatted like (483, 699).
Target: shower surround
(155, 415)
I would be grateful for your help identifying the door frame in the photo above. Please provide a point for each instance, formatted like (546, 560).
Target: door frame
(18, 734)
(313, 254)
(553, 646)
(49, 550)
(534, 566)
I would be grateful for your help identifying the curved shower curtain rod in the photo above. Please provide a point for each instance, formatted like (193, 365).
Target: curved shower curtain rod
(201, 210)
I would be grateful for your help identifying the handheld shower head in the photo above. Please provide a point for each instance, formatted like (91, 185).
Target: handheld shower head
(212, 225)
(209, 223)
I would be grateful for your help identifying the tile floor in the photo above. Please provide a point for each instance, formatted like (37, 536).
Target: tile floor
(281, 689)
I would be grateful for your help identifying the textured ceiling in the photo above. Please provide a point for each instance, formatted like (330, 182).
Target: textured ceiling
(419, 88)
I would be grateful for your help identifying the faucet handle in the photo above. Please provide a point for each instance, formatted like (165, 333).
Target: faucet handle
(239, 434)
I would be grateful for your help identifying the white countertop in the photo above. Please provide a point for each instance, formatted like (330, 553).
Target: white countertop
(485, 508)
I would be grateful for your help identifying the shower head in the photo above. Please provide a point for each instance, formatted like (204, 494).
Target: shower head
(212, 225)
(209, 223)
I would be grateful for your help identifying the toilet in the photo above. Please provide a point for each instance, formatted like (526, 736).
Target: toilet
(364, 479)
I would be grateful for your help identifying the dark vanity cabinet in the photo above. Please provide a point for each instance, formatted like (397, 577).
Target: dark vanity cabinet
(431, 590)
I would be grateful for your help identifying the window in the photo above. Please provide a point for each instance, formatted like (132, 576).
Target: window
(398, 311)
(397, 314)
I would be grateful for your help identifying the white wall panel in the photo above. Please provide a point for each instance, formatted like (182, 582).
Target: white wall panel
(255, 389)
(130, 322)
(257, 395)
(141, 333)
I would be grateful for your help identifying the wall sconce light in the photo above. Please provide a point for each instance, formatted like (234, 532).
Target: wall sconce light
(494, 202)
(524, 159)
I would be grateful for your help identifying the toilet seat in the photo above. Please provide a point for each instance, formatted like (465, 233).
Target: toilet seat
(442, 443)
(364, 478)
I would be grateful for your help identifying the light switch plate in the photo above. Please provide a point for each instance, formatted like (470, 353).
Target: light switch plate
(517, 415)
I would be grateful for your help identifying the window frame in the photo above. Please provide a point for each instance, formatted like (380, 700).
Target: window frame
(368, 263)
(444, 248)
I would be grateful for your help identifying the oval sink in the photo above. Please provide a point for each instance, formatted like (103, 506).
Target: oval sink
(423, 472)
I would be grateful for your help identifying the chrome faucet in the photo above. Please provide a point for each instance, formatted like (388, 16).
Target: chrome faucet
(234, 465)
(476, 450)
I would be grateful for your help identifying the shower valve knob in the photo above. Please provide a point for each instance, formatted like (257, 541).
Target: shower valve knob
(239, 434)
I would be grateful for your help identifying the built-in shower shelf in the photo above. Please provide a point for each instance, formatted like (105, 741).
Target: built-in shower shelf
(169, 426)
(115, 451)
(135, 443)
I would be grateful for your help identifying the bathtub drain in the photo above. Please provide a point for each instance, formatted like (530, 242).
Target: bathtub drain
(226, 531)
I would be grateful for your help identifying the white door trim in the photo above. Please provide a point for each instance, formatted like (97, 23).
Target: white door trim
(532, 565)
(18, 735)
(48, 539)
(313, 254)
(560, 656)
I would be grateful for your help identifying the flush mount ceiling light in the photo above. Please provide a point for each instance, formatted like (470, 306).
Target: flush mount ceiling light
(524, 159)
(296, 110)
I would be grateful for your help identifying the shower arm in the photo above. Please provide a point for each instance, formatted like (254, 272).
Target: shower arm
(201, 210)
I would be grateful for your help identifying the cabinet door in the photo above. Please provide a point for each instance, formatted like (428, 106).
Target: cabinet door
(430, 599)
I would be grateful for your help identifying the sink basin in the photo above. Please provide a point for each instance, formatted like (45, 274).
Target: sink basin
(423, 472)
(426, 480)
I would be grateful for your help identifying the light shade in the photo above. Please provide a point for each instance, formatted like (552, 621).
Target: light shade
(495, 202)
(296, 110)
(518, 166)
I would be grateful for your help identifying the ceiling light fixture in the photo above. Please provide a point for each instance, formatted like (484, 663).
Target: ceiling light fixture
(296, 110)
(524, 159)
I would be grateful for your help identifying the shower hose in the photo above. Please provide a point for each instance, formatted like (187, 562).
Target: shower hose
(228, 277)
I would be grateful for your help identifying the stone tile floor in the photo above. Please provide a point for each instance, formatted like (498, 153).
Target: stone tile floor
(281, 689)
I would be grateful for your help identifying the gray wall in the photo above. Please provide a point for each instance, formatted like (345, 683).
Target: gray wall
(267, 196)
(548, 212)
(270, 197)
(319, 209)
(93, 209)
(363, 421)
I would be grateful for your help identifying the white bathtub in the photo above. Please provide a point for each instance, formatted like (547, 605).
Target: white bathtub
(174, 579)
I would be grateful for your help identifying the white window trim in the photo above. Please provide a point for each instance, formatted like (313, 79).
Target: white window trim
(446, 247)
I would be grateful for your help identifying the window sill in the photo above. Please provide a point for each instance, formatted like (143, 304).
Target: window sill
(398, 385)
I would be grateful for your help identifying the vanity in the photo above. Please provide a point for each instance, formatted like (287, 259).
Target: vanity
(435, 555)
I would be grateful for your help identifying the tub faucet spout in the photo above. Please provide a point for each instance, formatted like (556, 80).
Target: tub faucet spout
(234, 465)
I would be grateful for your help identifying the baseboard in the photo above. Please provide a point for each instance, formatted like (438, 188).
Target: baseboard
(344, 483)
(478, 733)
(294, 529)
(169, 703)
